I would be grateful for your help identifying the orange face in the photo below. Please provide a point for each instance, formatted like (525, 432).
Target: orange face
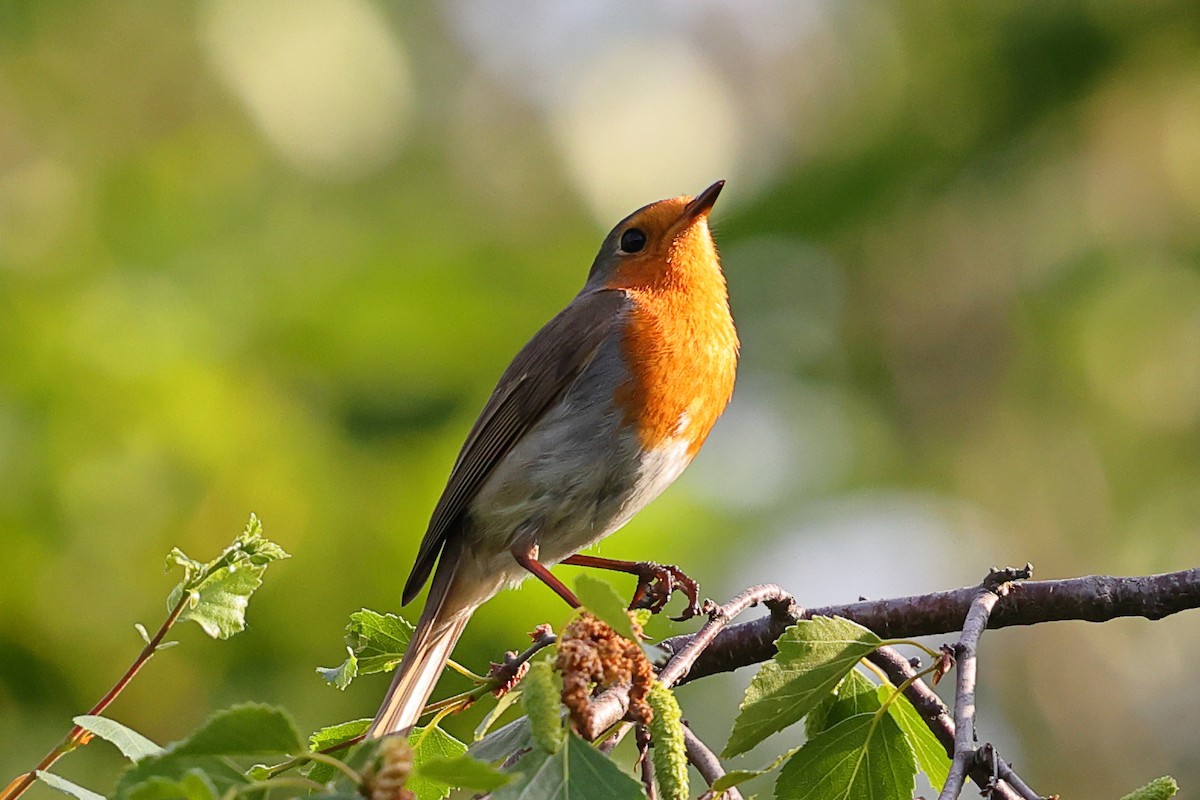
(663, 242)
(680, 345)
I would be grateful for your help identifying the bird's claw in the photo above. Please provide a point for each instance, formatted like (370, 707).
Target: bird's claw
(657, 582)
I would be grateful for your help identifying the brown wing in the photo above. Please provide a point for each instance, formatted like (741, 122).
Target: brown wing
(538, 376)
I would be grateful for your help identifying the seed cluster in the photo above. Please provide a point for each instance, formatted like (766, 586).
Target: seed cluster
(593, 657)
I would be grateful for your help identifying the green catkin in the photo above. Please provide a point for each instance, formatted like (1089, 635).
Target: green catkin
(670, 755)
(541, 699)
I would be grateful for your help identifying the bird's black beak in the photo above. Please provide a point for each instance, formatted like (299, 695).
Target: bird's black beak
(702, 203)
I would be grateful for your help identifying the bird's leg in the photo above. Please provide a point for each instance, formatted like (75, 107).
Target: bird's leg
(527, 558)
(656, 582)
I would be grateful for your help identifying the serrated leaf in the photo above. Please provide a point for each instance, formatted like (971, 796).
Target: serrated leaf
(431, 743)
(855, 695)
(338, 734)
(931, 755)
(219, 601)
(218, 769)
(250, 729)
(736, 777)
(339, 677)
(379, 640)
(505, 702)
(864, 757)
(194, 785)
(462, 772)
(816, 720)
(245, 730)
(600, 598)
(1157, 789)
(502, 743)
(218, 591)
(191, 567)
(577, 771)
(328, 737)
(66, 786)
(814, 655)
(132, 744)
(375, 642)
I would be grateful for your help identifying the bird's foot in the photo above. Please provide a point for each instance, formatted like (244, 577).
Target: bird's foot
(656, 584)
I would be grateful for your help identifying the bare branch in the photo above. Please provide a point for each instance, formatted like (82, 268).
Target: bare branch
(1095, 598)
(937, 716)
(706, 762)
(964, 697)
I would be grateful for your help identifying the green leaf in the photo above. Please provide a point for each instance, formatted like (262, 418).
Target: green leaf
(542, 703)
(131, 743)
(856, 694)
(814, 655)
(339, 677)
(503, 704)
(244, 730)
(250, 729)
(218, 603)
(931, 755)
(219, 591)
(338, 734)
(500, 744)
(736, 777)
(194, 785)
(1157, 789)
(461, 772)
(865, 756)
(328, 737)
(376, 643)
(155, 769)
(577, 771)
(600, 598)
(192, 568)
(379, 640)
(431, 743)
(67, 787)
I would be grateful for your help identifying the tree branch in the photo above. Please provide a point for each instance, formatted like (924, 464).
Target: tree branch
(937, 716)
(706, 762)
(1095, 598)
(964, 695)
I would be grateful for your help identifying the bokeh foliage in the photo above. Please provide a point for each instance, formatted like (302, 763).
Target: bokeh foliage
(963, 252)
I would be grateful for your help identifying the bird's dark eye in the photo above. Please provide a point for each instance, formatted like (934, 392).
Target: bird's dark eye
(633, 240)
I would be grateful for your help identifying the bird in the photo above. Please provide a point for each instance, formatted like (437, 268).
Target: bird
(598, 414)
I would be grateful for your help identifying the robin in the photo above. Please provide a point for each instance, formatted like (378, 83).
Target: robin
(596, 416)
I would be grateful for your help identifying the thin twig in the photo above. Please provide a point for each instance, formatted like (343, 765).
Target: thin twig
(706, 762)
(997, 584)
(1095, 598)
(718, 617)
(78, 735)
(503, 675)
(937, 716)
(646, 762)
(610, 705)
(964, 696)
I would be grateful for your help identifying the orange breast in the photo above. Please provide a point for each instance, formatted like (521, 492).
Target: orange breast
(681, 348)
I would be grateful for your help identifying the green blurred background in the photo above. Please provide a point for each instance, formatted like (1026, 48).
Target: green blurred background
(271, 256)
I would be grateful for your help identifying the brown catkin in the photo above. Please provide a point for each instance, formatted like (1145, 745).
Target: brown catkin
(592, 657)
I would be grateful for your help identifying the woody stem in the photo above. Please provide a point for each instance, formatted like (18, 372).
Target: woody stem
(76, 735)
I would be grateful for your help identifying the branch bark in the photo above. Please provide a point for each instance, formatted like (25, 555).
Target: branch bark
(937, 716)
(1095, 598)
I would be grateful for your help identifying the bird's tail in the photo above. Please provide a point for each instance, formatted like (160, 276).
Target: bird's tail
(436, 633)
